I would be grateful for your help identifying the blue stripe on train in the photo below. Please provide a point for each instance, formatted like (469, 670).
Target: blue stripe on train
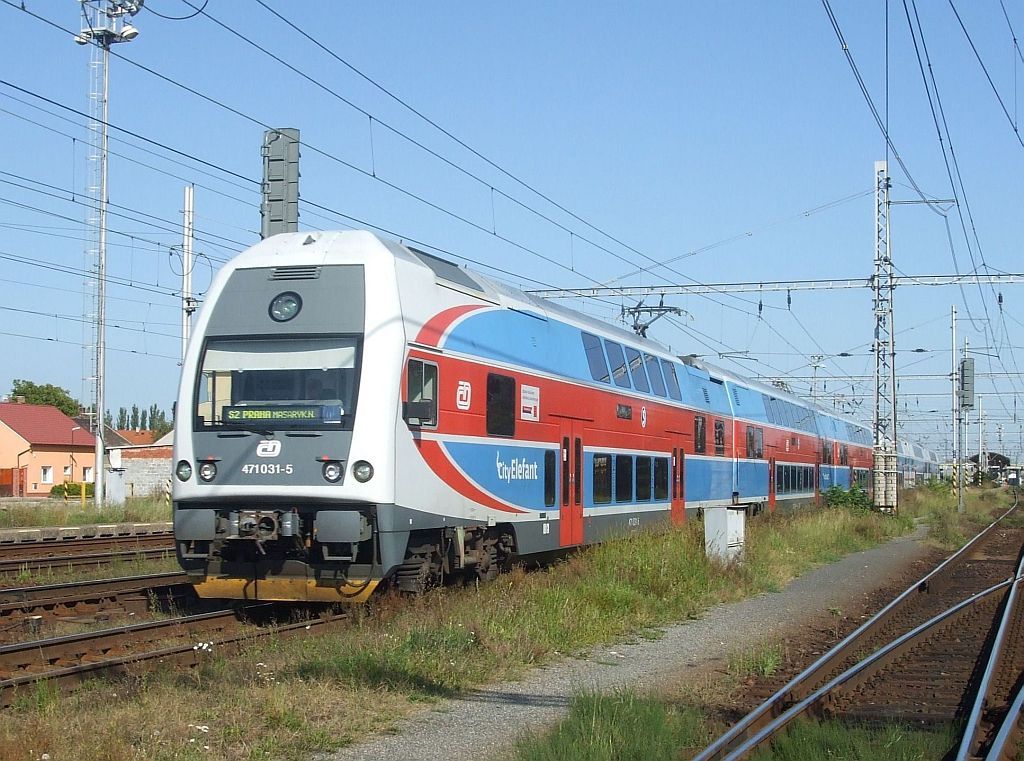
(751, 478)
(512, 473)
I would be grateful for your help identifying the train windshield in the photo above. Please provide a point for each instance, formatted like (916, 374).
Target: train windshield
(278, 383)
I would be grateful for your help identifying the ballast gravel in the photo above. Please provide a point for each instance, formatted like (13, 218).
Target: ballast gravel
(486, 722)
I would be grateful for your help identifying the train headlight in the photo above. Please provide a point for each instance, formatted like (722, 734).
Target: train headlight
(285, 306)
(208, 471)
(363, 471)
(183, 471)
(333, 471)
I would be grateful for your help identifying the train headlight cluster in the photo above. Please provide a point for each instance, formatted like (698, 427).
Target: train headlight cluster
(363, 471)
(208, 471)
(285, 306)
(333, 471)
(183, 471)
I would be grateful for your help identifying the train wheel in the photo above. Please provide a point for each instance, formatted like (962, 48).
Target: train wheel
(488, 568)
(420, 571)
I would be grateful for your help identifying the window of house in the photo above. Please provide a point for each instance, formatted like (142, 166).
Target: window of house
(549, 477)
(421, 388)
(68, 473)
(623, 478)
(661, 478)
(643, 479)
(602, 479)
(700, 440)
(671, 380)
(87, 475)
(617, 362)
(501, 405)
(719, 437)
(595, 358)
(46, 474)
(636, 370)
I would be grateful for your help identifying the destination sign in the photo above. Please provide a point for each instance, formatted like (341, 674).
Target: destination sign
(264, 414)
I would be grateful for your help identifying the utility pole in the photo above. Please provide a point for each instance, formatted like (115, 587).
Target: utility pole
(188, 304)
(955, 377)
(816, 363)
(104, 25)
(981, 443)
(885, 469)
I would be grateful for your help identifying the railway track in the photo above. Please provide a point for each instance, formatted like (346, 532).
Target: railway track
(66, 662)
(77, 553)
(27, 607)
(951, 647)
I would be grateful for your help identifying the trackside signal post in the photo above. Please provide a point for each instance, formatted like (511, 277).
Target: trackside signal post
(884, 427)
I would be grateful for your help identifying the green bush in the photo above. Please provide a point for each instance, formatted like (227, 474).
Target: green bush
(71, 489)
(837, 496)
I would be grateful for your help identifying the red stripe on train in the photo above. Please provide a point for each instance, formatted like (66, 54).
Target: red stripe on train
(439, 461)
(430, 334)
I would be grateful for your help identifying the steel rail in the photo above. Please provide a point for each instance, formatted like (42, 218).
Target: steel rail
(792, 689)
(69, 547)
(974, 733)
(1004, 746)
(896, 646)
(76, 589)
(23, 657)
(49, 597)
(19, 565)
(190, 654)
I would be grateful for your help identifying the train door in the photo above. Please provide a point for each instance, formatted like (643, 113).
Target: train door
(570, 516)
(678, 508)
(771, 483)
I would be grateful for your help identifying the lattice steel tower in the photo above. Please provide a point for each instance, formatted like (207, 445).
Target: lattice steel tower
(103, 24)
(885, 351)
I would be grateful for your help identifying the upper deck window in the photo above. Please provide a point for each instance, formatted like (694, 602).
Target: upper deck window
(501, 405)
(671, 380)
(654, 372)
(595, 358)
(617, 361)
(636, 370)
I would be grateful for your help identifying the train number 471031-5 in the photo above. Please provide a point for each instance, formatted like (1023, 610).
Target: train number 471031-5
(267, 469)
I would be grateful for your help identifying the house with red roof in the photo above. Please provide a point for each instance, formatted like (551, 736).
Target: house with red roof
(40, 447)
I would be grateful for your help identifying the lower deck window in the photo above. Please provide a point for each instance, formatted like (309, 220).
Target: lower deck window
(643, 479)
(549, 478)
(602, 479)
(623, 478)
(661, 478)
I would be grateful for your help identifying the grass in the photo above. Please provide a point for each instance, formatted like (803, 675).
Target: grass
(627, 725)
(894, 742)
(620, 727)
(57, 512)
(292, 698)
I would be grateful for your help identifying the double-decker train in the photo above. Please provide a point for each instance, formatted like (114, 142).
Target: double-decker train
(353, 411)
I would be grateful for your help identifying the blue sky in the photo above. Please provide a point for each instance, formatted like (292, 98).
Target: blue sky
(671, 127)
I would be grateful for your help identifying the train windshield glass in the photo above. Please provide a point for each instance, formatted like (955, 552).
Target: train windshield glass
(277, 383)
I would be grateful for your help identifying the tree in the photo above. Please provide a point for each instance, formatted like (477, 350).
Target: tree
(158, 422)
(46, 393)
(122, 418)
(134, 420)
(144, 421)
